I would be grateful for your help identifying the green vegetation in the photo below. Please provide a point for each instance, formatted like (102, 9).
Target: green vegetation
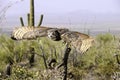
(99, 62)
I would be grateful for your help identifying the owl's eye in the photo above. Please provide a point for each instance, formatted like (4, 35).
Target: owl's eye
(54, 35)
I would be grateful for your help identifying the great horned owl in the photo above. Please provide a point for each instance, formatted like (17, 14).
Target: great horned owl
(81, 42)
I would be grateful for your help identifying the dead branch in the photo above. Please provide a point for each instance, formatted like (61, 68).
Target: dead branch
(65, 62)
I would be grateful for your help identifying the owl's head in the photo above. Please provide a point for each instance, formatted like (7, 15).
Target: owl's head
(55, 34)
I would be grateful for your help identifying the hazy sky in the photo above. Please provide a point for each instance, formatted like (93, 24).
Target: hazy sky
(66, 6)
(55, 7)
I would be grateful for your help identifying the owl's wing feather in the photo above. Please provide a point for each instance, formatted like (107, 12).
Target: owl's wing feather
(81, 42)
(29, 32)
(34, 32)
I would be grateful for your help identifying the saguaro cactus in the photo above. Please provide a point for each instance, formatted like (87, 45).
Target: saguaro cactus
(41, 19)
(30, 16)
(32, 13)
(21, 20)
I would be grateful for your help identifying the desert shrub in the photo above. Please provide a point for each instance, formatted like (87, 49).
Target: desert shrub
(104, 38)
(98, 61)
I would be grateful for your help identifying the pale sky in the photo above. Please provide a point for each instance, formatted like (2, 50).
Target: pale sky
(55, 8)
(66, 6)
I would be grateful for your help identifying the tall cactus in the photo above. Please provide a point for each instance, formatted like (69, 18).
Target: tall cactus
(41, 19)
(21, 20)
(32, 13)
(30, 16)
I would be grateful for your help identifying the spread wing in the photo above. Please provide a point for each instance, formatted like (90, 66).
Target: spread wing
(33, 32)
(81, 42)
(29, 33)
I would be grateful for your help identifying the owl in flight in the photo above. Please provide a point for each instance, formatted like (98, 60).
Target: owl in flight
(80, 41)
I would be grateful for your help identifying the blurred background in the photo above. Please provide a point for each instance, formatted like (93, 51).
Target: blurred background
(93, 16)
